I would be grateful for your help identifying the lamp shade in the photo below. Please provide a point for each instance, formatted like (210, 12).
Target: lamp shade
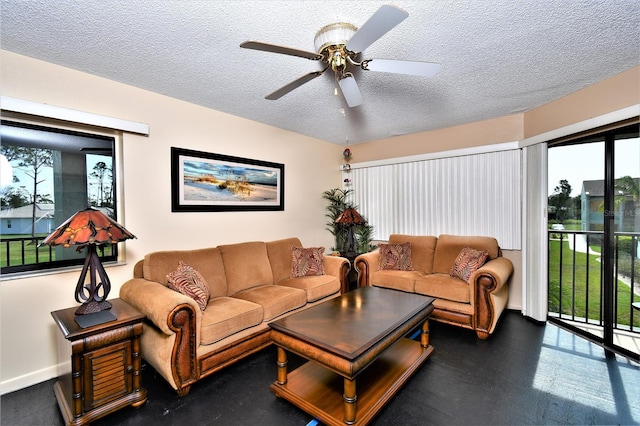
(350, 217)
(89, 226)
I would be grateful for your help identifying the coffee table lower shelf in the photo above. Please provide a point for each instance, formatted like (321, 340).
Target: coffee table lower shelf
(318, 391)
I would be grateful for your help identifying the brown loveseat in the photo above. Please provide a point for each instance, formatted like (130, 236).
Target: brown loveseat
(249, 285)
(475, 304)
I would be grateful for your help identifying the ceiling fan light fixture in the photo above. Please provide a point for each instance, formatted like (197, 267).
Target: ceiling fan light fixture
(337, 34)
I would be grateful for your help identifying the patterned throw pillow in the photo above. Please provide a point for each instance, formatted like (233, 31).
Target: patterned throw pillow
(467, 262)
(189, 282)
(396, 256)
(307, 261)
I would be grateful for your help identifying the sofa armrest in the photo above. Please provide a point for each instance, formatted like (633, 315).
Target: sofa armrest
(490, 294)
(175, 315)
(157, 302)
(499, 269)
(338, 267)
(366, 264)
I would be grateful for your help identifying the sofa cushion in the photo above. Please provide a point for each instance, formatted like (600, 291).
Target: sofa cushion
(279, 252)
(247, 265)
(317, 287)
(306, 261)
(157, 265)
(443, 286)
(225, 316)
(397, 280)
(396, 256)
(422, 249)
(449, 246)
(186, 280)
(468, 261)
(274, 299)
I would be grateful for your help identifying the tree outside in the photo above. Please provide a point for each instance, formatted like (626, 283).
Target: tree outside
(560, 201)
(627, 203)
(102, 177)
(32, 162)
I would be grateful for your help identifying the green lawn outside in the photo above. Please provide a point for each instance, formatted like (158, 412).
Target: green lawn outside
(572, 225)
(15, 251)
(575, 290)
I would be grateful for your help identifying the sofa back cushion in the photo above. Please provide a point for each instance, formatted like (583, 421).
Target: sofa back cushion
(449, 247)
(208, 262)
(422, 250)
(279, 253)
(246, 265)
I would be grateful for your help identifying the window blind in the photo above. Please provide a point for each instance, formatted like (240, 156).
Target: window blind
(534, 254)
(475, 194)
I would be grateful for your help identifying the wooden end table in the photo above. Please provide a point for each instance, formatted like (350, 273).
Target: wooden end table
(359, 335)
(105, 364)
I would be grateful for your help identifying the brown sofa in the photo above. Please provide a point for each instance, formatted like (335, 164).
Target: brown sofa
(249, 285)
(476, 304)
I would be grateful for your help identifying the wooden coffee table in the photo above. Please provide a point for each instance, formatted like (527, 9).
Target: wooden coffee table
(359, 335)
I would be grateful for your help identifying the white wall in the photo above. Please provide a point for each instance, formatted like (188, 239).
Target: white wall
(28, 333)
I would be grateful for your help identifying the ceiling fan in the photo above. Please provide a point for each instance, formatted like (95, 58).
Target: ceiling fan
(339, 46)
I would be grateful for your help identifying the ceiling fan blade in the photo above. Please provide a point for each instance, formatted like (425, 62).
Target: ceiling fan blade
(350, 91)
(293, 85)
(425, 69)
(383, 20)
(268, 47)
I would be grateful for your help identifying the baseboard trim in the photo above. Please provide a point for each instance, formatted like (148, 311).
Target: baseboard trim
(514, 307)
(31, 379)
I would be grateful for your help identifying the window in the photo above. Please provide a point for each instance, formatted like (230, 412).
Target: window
(55, 173)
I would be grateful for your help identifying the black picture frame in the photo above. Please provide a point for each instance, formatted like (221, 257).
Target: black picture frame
(209, 182)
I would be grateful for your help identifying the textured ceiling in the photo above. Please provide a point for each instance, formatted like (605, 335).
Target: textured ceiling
(498, 57)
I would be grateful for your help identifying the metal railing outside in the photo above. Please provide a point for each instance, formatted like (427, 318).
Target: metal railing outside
(20, 254)
(575, 278)
(24, 251)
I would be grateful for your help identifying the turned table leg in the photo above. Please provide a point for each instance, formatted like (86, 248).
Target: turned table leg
(424, 337)
(350, 399)
(282, 366)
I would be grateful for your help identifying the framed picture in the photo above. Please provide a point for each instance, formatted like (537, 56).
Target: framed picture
(207, 182)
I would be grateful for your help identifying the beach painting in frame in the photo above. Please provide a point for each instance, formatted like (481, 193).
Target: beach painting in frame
(202, 181)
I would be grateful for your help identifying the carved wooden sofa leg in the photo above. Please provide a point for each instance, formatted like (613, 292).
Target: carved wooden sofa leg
(482, 335)
(182, 392)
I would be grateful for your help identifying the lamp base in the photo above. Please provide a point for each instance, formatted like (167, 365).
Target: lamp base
(93, 307)
(97, 318)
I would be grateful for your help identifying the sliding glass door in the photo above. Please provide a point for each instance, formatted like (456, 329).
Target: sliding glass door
(594, 224)
(624, 218)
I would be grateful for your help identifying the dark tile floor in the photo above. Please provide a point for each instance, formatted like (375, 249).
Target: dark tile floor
(525, 374)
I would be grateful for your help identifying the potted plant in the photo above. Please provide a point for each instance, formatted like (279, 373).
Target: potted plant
(361, 232)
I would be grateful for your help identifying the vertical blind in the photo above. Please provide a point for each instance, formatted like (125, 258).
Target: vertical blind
(476, 194)
(534, 254)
